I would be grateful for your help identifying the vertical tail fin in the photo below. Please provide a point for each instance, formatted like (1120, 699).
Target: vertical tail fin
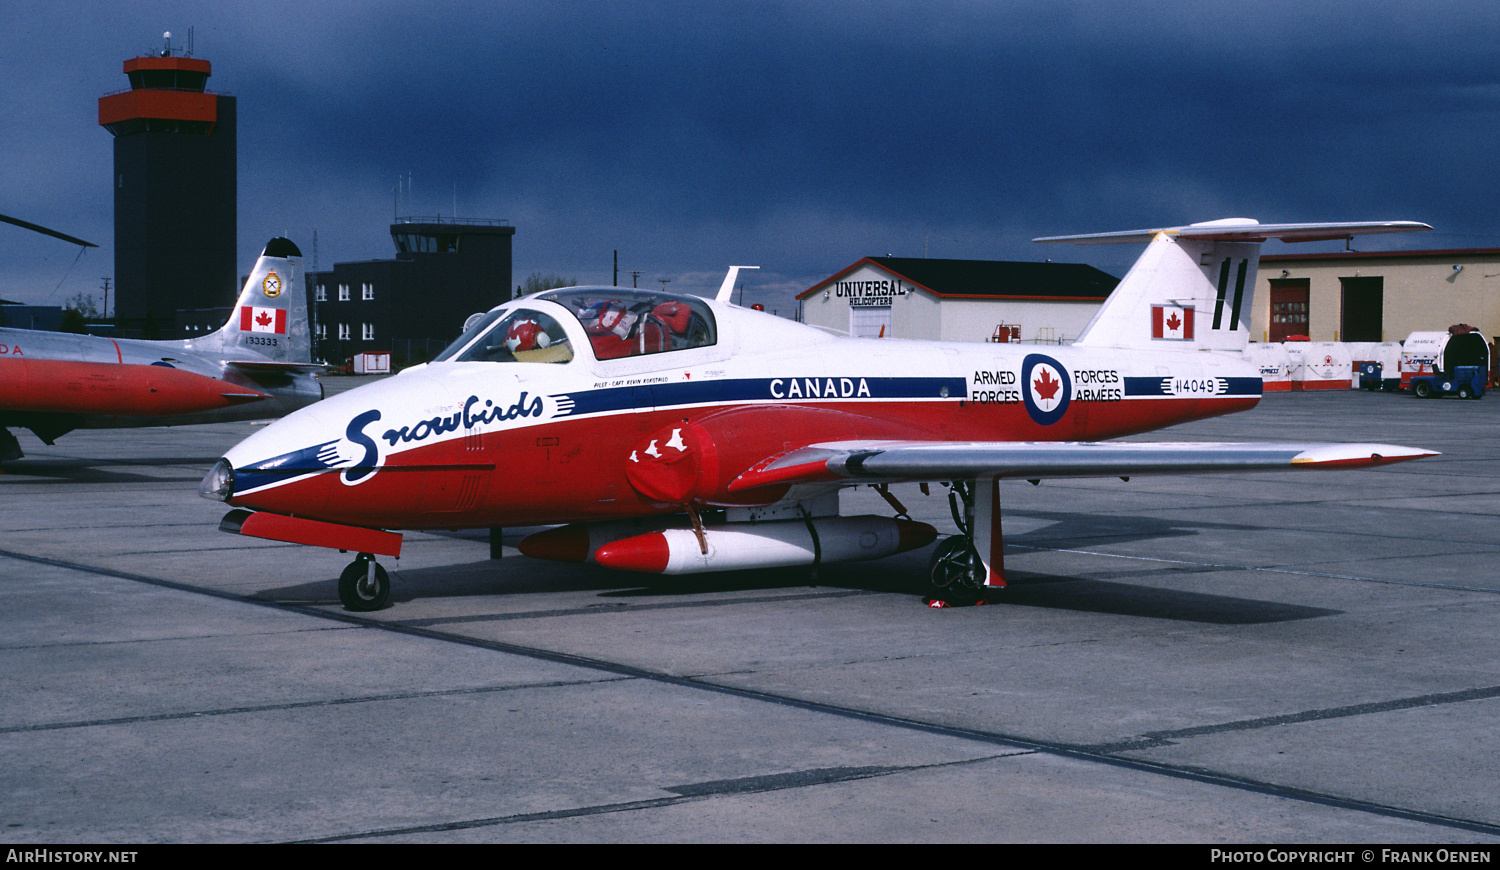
(1181, 291)
(726, 290)
(1194, 285)
(270, 319)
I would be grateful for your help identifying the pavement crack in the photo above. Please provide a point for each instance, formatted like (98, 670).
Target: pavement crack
(681, 794)
(302, 705)
(612, 608)
(64, 644)
(1156, 739)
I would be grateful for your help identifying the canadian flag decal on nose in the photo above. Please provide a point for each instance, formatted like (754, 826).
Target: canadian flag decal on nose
(1171, 322)
(256, 319)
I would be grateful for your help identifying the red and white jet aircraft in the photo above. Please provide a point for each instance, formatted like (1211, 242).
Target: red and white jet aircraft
(258, 365)
(673, 434)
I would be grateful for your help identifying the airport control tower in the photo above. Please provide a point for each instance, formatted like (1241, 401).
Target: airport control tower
(174, 184)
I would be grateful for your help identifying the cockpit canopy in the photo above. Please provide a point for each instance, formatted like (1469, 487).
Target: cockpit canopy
(619, 323)
(512, 335)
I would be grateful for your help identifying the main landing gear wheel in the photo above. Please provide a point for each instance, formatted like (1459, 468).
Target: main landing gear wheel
(957, 574)
(364, 585)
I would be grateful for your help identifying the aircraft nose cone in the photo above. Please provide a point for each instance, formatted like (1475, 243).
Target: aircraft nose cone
(568, 543)
(218, 484)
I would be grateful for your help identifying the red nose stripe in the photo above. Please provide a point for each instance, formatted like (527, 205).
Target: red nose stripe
(646, 553)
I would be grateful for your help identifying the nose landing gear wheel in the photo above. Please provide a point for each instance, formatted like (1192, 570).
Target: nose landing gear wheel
(364, 585)
(957, 575)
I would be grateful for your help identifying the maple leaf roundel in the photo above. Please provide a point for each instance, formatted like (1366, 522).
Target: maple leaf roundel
(1046, 388)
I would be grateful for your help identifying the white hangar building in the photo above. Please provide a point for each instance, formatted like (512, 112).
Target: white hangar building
(958, 300)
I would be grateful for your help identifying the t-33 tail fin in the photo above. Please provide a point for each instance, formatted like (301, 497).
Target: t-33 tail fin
(270, 318)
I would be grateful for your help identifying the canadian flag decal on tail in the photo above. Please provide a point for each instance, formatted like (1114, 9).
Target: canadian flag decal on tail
(1172, 322)
(256, 319)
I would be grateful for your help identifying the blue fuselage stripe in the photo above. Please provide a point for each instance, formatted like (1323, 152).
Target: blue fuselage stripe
(667, 395)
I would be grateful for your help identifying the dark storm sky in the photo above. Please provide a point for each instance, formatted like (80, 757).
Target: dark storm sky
(795, 136)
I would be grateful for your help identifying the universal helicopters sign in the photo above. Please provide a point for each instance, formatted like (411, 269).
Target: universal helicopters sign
(872, 292)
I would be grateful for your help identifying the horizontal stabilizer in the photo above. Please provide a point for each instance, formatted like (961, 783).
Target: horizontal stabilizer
(1244, 230)
(260, 365)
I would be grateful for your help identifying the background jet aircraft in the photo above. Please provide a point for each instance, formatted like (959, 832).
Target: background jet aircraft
(673, 434)
(258, 365)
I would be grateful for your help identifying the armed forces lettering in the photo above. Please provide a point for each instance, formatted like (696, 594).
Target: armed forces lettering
(1098, 385)
(994, 388)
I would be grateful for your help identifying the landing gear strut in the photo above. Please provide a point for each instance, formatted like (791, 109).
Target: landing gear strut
(364, 585)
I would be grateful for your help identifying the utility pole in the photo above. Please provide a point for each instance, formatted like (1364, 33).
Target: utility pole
(664, 282)
(617, 267)
(633, 276)
(104, 312)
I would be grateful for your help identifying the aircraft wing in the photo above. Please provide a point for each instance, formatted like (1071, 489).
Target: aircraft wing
(886, 461)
